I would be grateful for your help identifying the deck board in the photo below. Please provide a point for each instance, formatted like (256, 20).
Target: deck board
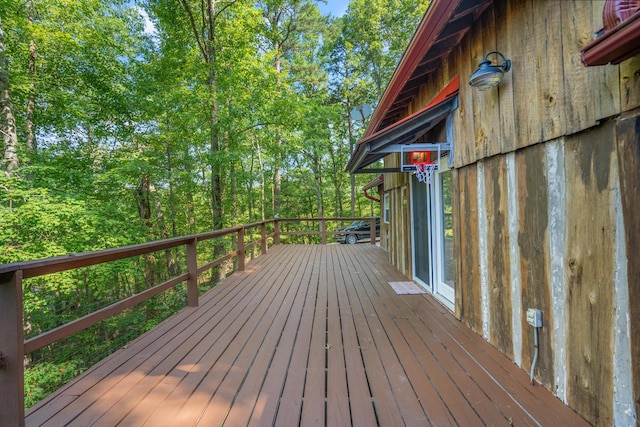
(307, 335)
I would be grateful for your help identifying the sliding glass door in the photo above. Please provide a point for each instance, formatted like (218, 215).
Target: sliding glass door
(432, 234)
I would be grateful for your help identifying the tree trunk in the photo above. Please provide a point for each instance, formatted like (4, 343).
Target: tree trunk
(249, 185)
(318, 185)
(262, 184)
(352, 176)
(7, 118)
(143, 199)
(277, 179)
(169, 254)
(31, 98)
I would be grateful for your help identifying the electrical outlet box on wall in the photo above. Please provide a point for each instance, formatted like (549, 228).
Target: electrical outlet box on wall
(534, 317)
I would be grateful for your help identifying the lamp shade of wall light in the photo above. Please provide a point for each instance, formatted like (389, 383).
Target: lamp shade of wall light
(488, 74)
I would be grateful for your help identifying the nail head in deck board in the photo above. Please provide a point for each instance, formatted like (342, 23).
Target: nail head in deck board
(534, 257)
(590, 159)
(628, 153)
(499, 268)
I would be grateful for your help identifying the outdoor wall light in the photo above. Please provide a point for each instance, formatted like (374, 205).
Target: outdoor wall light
(489, 75)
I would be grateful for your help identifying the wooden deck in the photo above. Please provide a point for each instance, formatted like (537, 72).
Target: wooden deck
(307, 335)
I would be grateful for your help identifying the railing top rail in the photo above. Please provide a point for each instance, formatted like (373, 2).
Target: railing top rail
(72, 261)
(259, 223)
(364, 218)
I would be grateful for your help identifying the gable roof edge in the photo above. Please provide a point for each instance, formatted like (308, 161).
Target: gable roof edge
(434, 20)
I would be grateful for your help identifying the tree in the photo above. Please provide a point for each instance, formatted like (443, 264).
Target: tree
(7, 117)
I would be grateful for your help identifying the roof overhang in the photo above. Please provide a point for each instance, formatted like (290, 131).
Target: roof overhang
(442, 28)
(395, 138)
(615, 45)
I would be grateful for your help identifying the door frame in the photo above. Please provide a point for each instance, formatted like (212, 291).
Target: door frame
(436, 256)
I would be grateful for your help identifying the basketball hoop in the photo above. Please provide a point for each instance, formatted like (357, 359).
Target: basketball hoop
(424, 171)
(424, 166)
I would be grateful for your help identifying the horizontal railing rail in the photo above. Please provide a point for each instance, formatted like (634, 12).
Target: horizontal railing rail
(13, 347)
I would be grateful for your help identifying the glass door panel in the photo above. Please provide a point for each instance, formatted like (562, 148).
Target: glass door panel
(421, 232)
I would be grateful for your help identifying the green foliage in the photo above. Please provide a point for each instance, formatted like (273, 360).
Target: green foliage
(131, 132)
(45, 377)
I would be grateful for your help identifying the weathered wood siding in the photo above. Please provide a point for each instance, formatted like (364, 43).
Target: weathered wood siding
(628, 138)
(533, 245)
(468, 286)
(591, 163)
(498, 267)
(547, 195)
(398, 231)
(548, 93)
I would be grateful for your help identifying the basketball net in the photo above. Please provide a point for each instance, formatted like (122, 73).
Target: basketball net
(424, 171)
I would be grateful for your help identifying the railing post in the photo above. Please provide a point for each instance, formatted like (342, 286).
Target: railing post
(263, 231)
(12, 350)
(323, 230)
(372, 230)
(276, 231)
(241, 249)
(192, 269)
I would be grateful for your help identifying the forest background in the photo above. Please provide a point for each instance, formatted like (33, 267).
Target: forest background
(130, 121)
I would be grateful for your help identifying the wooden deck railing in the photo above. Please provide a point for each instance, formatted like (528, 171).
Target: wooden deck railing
(13, 347)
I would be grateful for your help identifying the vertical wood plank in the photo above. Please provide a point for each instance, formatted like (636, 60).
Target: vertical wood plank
(549, 66)
(406, 216)
(524, 74)
(464, 152)
(11, 346)
(471, 310)
(372, 231)
(241, 249)
(192, 269)
(498, 266)
(590, 159)
(323, 231)
(578, 79)
(630, 83)
(457, 255)
(506, 28)
(533, 242)
(484, 102)
(628, 140)
(488, 109)
(263, 238)
(314, 399)
(607, 91)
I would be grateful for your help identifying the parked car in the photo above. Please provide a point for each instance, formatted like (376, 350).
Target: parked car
(352, 238)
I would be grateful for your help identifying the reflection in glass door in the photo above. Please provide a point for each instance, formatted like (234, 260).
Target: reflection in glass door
(421, 241)
(444, 242)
